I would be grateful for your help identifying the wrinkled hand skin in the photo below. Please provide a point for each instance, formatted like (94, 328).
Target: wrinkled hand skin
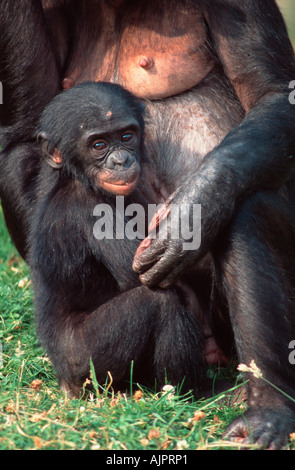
(263, 427)
(161, 261)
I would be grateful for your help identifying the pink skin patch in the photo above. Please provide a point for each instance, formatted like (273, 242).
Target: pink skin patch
(67, 83)
(213, 353)
(143, 246)
(146, 62)
(159, 216)
(56, 157)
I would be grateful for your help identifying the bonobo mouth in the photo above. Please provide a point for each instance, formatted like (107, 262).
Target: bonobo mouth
(121, 183)
(122, 188)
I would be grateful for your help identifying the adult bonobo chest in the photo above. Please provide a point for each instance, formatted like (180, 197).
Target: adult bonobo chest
(161, 53)
(157, 50)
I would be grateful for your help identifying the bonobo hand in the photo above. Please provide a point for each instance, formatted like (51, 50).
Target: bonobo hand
(161, 260)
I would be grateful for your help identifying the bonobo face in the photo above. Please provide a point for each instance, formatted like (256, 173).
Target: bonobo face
(93, 132)
(111, 158)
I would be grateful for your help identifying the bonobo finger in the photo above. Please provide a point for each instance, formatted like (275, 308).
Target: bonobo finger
(142, 247)
(154, 275)
(159, 272)
(148, 253)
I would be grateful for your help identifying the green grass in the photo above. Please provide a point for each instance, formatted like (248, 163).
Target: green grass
(36, 414)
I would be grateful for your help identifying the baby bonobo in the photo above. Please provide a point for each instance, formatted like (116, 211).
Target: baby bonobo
(89, 302)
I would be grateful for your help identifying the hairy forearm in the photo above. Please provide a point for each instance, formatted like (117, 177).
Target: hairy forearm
(28, 69)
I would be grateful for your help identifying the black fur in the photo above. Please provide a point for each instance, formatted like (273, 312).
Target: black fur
(84, 285)
(227, 144)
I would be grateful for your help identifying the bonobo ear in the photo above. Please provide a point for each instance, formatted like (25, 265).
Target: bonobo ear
(54, 157)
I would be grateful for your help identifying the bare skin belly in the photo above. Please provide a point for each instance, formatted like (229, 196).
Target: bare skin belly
(184, 129)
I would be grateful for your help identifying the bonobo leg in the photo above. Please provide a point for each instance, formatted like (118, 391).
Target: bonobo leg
(155, 329)
(255, 264)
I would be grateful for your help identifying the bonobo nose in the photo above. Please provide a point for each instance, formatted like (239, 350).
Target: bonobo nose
(119, 159)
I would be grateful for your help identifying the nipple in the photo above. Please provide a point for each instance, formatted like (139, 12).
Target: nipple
(146, 62)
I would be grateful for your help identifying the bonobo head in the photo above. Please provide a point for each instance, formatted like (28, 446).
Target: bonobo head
(93, 131)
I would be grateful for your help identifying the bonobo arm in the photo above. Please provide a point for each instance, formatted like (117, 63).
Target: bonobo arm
(252, 44)
(28, 69)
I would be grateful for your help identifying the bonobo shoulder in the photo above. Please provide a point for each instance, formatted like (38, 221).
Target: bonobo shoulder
(61, 236)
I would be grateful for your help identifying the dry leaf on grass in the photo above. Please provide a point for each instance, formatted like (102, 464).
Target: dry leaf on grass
(36, 384)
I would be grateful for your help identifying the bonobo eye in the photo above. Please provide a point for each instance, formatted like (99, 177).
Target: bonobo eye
(99, 145)
(126, 137)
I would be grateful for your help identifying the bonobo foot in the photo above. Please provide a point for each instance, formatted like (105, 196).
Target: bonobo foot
(267, 428)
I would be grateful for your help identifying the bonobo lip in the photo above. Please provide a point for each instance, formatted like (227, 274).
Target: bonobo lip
(121, 187)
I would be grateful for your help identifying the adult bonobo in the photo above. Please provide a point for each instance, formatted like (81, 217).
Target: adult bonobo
(216, 76)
